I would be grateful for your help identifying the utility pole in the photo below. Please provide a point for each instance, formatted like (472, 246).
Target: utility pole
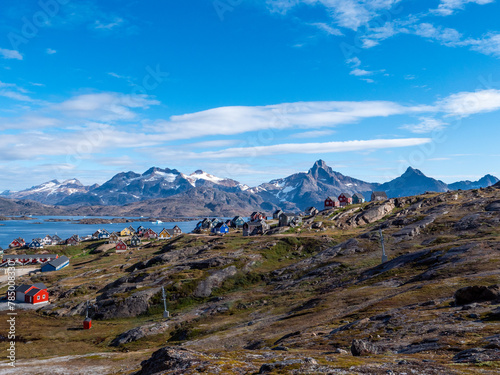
(384, 256)
(166, 314)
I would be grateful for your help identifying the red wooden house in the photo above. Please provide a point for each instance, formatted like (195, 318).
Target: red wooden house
(150, 234)
(32, 293)
(121, 247)
(18, 242)
(345, 199)
(257, 216)
(331, 202)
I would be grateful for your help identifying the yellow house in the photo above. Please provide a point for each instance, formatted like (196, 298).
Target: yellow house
(164, 234)
(126, 232)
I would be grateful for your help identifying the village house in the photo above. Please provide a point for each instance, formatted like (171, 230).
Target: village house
(345, 199)
(331, 202)
(358, 198)
(277, 213)
(256, 216)
(229, 223)
(121, 247)
(95, 235)
(56, 264)
(177, 230)
(311, 211)
(289, 220)
(165, 234)
(237, 222)
(34, 293)
(103, 234)
(379, 196)
(1, 250)
(135, 241)
(113, 238)
(150, 234)
(221, 229)
(24, 259)
(254, 228)
(47, 240)
(56, 240)
(140, 230)
(73, 240)
(126, 232)
(18, 242)
(35, 244)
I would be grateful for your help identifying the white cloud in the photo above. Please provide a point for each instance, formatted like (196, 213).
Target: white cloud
(108, 26)
(448, 7)
(50, 51)
(349, 14)
(306, 148)
(10, 54)
(105, 106)
(360, 72)
(313, 134)
(15, 95)
(488, 44)
(426, 125)
(327, 28)
(236, 120)
(465, 104)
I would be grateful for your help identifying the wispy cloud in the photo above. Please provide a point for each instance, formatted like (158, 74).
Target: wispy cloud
(108, 25)
(313, 134)
(307, 148)
(50, 51)
(10, 54)
(448, 7)
(425, 125)
(464, 104)
(327, 28)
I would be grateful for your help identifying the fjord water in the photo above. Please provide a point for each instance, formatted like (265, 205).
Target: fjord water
(40, 227)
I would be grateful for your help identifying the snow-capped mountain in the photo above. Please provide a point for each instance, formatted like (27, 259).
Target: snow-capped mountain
(295, 192)
(51, 192)
(312, 187)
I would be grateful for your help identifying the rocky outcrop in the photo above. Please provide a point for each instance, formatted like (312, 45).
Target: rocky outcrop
(372, 214)
(477, 355)
(468, 222)
(476, 293)
(138, 303)
(204, 288)
(363, 348)
(139, 332)
(174, 360)
(413, 230)
(493, 206)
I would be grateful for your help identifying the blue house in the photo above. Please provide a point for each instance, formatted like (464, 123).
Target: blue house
(220, 228)
(56, 264)
(35, 244)
(104, 234)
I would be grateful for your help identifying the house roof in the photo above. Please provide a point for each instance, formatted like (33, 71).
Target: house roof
(59, 261)
(170, 231)
(311, 208)
(380, 194)
(24, 287)
(33, 292)
(29, 256)
(278, 210)
(289, 214)
(358, 195)
(335, 199)
(347, 195)
(56, 238)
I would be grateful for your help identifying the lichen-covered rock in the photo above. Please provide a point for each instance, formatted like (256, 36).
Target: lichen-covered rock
(138, 303)
(363, 347)
(477, 355)
(476, 293)
(204, 288)
(139, 332)
(372, 214)
(174, 361)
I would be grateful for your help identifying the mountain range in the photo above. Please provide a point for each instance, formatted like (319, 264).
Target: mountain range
(170, 192)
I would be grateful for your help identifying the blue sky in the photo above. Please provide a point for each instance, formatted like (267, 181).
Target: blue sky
(246, 89)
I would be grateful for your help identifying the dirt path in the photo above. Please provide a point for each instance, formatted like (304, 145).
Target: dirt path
(20, 271)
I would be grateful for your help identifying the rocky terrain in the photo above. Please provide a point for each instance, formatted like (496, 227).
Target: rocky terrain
(168, 192)
(309, 300)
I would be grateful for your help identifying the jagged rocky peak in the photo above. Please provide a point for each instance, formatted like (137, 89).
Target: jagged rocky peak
(412, 172)
(320, 167)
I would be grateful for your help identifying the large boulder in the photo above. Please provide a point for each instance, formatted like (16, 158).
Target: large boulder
(139, 332)
(134, 305)
(476, 293)
(372, 214)
(477, 355)
(204, 288)
(493, 206)
(174, 361)
(363, 348)
(468, 222)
